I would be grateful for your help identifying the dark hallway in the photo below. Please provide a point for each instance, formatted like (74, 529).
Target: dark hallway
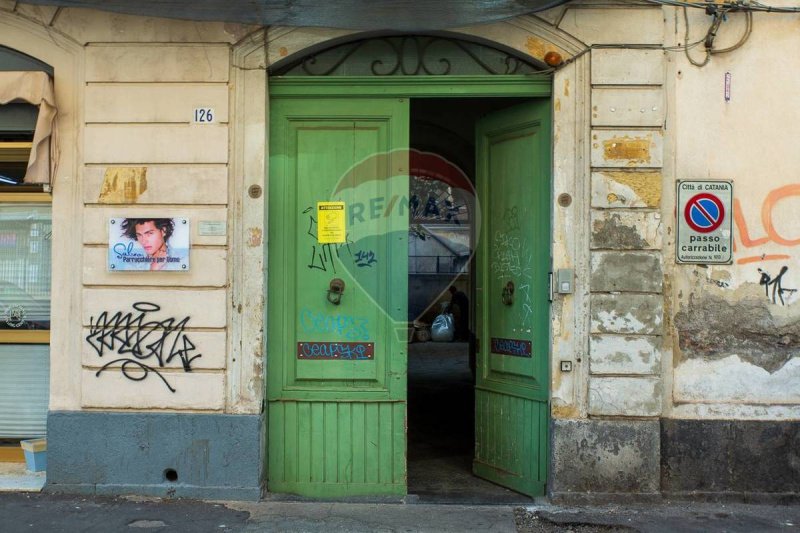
(441, 404)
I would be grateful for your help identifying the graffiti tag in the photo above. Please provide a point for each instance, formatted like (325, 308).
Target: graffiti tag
(515, 347)
(145, 345)
(349, 327)
(778, 291)
(772, 234)
(347, 351)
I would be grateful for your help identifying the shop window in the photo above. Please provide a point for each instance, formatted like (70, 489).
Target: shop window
(26, 107)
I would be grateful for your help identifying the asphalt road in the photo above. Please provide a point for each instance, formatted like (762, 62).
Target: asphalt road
(21, 512)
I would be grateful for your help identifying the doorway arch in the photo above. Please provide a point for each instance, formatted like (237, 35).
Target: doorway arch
(529, 37)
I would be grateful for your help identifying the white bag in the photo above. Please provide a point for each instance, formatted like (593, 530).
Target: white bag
(443, 328)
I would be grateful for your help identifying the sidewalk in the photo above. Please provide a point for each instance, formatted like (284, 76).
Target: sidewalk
(55, 513)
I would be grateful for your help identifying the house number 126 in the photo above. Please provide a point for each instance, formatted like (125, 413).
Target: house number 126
(204, 115)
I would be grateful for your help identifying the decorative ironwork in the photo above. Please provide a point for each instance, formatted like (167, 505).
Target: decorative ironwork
(408, 55)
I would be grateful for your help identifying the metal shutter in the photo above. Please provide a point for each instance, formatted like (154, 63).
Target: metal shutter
(24, 390)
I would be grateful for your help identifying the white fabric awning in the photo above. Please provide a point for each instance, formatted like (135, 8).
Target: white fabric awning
(35, 88)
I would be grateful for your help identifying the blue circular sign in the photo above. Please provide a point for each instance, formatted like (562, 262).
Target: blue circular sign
(704, 212)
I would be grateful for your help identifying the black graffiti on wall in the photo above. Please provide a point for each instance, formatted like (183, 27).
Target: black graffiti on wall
(778, 291)
(144, 345)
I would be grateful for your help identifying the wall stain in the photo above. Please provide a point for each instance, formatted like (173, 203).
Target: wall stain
(632, 149)
(254, 237)
(236, 30)
(646, 185)
(536, 47)
(712, 327)
(123, 185)
(612, 232)
(565, 411)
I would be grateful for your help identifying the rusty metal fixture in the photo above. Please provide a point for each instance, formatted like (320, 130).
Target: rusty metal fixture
(335, 291)
(508, 293)
(254, 191)
(553, 58)
(564, 199)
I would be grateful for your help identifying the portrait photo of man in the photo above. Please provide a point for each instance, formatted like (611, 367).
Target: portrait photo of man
(150, 244)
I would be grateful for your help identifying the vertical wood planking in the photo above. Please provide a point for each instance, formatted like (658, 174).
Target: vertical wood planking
(359, 443)
(328, 443)
(493, 412)
(385, 462)
(304, 442)
(345, 443)
(545, 439)
(331, 430)
(511, 433)
(317, 442)
(371, 443)
(290, 438)
(530, 443)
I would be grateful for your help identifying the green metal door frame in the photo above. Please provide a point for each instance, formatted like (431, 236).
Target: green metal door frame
(319, 88)
(539, 86)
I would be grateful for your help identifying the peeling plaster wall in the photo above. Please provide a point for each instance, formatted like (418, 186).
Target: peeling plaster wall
(736, 328)
(626, 231)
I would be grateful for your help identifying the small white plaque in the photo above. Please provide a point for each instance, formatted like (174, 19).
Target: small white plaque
(212, 228)
(204, 115)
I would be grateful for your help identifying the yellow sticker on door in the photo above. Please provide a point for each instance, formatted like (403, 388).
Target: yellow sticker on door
(330, 222)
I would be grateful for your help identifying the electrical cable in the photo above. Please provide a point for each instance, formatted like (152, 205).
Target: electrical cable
(737, 5)
(718, 10)
(719, 16)
(686, 42)
(746, 35)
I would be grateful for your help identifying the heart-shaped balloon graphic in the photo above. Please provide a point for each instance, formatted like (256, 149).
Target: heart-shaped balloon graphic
(434, 208)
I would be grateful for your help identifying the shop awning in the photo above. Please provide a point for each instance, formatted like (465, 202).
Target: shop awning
(36, 88)
(401, 15)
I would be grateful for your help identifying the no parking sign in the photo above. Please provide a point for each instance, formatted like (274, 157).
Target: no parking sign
(705, 218)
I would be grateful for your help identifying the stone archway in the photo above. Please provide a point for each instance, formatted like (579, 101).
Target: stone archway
(529, 37)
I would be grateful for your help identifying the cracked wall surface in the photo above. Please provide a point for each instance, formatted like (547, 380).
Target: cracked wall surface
(735, 329)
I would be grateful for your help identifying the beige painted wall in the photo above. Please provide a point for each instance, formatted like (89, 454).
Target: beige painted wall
(126, 88)
(752, 140)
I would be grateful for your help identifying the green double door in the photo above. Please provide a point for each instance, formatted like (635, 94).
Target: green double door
(337, 296)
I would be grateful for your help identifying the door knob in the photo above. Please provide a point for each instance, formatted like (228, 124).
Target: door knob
(335, 291)
(508, 293)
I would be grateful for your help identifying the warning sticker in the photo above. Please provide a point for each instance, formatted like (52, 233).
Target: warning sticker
(704, 229)
(331, 222)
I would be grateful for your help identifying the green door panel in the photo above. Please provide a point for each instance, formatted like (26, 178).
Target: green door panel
(328, 449)
(512, 306)
(336, 373)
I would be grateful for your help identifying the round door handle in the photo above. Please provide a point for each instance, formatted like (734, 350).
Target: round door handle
(508, 293)
(335, 291)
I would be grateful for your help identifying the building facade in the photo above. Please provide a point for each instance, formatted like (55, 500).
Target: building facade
(647, 377)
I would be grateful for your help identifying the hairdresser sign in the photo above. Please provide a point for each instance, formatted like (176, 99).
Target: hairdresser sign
(148, 244)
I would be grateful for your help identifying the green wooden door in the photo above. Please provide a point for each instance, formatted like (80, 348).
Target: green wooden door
(337, 371)
(512, 304)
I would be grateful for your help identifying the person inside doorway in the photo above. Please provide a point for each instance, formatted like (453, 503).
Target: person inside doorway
(153, 236)
(459, 307)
